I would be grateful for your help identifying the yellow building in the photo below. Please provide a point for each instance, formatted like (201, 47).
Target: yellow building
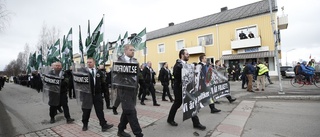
(217, 36)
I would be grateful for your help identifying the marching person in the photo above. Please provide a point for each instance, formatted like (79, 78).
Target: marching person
(58, 99)
(165, 78)
(217, 65)
(148, 75)
(183, 58)
(128, 97)
(203, 63)
(97, 86)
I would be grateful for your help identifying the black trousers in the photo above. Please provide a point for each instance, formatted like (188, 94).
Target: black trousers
(166, 91)
(176, 105)
(98, 107)
(106, 95)
(244, 80)
(152, 91)
(130, 116)
(71, 92)
(53, 111)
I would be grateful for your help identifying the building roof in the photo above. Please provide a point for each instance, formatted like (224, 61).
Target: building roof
(253, 9)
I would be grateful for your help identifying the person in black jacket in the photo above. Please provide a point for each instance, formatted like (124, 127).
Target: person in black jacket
(57, 99)
(70, 86)
(97, 85)
(183, 58)
(165, 78)
(128, 97)
(203, 63)
(148, 76)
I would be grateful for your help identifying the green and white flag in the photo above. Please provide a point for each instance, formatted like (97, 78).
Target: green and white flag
(81, 47)
(97, 56)
(125, 41)
(139, 41)
(96, 39)
(88, 39)
(54, 53)
(105, 53)
(67, 53)
(39, 59)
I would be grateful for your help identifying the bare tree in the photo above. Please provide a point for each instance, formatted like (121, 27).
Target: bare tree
(10, 69)
(47, 38)
(4, 16)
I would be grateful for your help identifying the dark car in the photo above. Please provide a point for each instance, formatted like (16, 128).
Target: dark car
(283, 70)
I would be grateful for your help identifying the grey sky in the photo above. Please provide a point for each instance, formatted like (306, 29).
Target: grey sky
(132, 16)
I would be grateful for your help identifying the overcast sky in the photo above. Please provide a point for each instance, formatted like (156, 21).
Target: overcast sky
(28, 17)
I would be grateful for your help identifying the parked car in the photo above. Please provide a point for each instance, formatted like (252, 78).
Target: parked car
(283, 69)
(289, 73)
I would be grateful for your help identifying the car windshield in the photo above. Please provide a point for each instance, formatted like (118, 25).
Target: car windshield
(290, 69)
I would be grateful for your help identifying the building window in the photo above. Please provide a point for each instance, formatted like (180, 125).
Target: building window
(210, 60)
(205, 40)
(179, 45)
(243, 33)
(161, 48)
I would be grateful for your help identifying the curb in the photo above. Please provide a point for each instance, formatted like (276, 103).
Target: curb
(289, 97)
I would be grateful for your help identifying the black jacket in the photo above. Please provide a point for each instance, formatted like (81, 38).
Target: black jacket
(165, 76)
(147, 76)
(177, 68)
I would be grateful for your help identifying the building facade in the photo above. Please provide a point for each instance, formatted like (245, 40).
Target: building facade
(218, 36)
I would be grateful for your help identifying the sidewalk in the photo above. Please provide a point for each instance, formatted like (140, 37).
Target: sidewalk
(229, 122)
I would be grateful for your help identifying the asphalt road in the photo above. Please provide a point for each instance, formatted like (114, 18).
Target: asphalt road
(23, 111)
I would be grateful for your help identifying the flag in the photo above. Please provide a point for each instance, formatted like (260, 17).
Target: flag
(81, 47)
(39, 59)
(67, 53)
(119, 47)
(97, 56)
(105, 53)
(125, 39)
(96, 39)
(54, 53)
(88, 39)
(139, 41)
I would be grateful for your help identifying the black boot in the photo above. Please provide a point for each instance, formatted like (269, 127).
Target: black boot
(52, 120)
(85, 127)
(231, 99)
(213, 109)
(114, 109)
(108, 104)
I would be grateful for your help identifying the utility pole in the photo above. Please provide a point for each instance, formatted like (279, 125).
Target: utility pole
(276, 36)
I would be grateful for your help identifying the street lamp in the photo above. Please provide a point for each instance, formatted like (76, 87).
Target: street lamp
(287, 56)
(276, 36)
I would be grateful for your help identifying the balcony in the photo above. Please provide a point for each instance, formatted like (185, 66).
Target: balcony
(246, 43)
(283, 22)
(196, 50)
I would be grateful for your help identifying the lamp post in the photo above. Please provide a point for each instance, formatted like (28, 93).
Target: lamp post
(287, 56)
(276, 36)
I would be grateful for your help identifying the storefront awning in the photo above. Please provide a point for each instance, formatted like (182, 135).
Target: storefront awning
(248, 55)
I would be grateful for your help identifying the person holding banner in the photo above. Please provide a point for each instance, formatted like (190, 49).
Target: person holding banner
(126, 81)
(203, 63)
(58, 98)
(217, 66)
(177, 69)
(94, 97)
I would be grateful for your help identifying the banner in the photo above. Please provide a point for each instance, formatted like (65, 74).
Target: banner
(51, 89)
(201, 84)
(82, 88)
(125, 74)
